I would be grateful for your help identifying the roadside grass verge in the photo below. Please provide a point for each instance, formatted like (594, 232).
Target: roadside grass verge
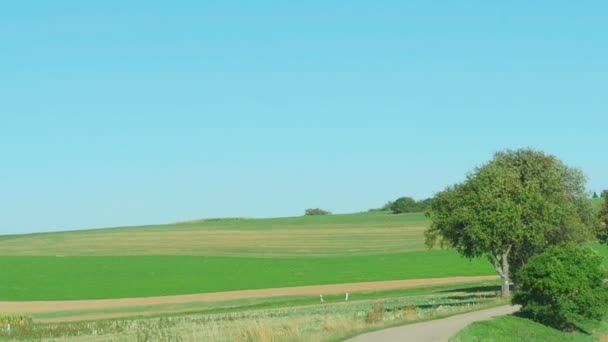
(514, 329)
(330, 321)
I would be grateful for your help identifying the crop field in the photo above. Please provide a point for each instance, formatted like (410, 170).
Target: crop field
(120, 279)
(222, 255)
(334, 235)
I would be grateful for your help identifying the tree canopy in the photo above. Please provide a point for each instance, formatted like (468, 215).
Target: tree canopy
(513, 207)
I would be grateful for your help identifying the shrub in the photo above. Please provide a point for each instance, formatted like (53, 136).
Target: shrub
(316, 211)
(563, 287)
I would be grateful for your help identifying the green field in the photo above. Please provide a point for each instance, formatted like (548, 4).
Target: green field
(220, 255)
(59, 278)
(308, 236)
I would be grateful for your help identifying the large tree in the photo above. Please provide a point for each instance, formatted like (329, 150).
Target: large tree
(511, 208)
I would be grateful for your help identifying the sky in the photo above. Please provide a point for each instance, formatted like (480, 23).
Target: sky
(118, 113)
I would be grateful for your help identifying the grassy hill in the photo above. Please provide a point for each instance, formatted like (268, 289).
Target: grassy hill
(219, 255)
(306, 236)
(223, 254)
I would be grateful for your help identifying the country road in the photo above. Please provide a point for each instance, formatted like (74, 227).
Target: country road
(439, 330)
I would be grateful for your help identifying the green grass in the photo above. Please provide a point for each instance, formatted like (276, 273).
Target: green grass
(284, 319)
(307, 236)
(515, 329)
(94, 277)
(223, 254)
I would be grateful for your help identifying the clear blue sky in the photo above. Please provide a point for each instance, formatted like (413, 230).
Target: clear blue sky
(133, 112)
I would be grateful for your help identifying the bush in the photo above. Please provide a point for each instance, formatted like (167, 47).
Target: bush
(563, 287)
(316, 211)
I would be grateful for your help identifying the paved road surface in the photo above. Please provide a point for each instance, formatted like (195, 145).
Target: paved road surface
(437, 330)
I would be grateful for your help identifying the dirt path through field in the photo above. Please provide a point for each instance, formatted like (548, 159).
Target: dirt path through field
(33, 307)
(439, 330)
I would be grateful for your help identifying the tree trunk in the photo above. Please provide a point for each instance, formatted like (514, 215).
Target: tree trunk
(504, 277)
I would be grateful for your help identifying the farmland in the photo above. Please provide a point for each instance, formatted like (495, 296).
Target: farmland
(334, 235)
(222, 255)
(136, 265)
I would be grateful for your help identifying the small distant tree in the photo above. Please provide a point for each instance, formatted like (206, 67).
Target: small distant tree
(563, 287)
(512, 208)
(604, 194)
(316, 211)
(595, 195)
(404, 205)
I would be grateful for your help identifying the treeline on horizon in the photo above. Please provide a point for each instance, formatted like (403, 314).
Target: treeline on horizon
(406, 204)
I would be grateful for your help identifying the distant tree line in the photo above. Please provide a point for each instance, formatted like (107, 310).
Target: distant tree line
(404, 205)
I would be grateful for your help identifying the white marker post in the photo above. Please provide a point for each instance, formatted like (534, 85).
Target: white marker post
(346, 297)
(321, 296)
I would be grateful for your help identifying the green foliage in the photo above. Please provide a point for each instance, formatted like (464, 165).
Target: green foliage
(387, 206)
(409, 205)
(602, 233)
(594, 195)
(604, 194)
(404, 205)
(316, 211)
(563, 287)
(516, 205)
